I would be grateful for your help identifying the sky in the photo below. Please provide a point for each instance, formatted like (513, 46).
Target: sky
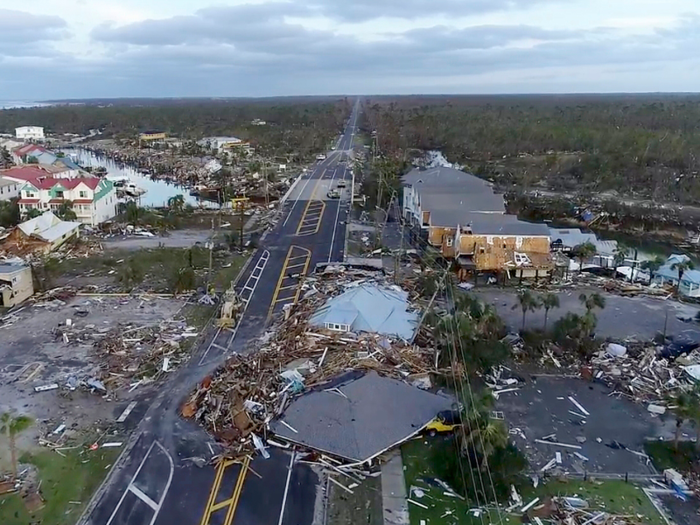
(63, 49)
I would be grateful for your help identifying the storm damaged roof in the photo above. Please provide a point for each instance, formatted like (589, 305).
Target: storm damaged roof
(359, 416)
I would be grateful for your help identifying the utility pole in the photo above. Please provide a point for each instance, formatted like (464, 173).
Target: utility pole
(241, 218)
(267, 198)
(211, 255)
(397, 260)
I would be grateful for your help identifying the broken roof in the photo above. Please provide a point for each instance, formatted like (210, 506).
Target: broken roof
(48, 227)
(445, 177)
(363, 418)
(370, 308)
(450, 209)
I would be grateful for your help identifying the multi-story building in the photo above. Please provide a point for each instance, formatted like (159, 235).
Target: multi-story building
(94, 199)
(9, 189)
(29, 133)
(460, 216)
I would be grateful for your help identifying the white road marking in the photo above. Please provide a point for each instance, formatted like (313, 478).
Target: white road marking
(335, 226)
(139, 494)
(261, 264)
(126, 412)
(286, 487)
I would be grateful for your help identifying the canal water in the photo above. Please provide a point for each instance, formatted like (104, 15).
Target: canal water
(157, 191)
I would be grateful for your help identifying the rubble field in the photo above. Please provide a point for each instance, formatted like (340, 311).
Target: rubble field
(74, 360)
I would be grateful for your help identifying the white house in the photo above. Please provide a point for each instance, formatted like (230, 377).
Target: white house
(220, 143)
(29, 133)
(94, 199)
(9, 189)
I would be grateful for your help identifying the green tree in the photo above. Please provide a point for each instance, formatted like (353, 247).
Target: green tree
(32, 160)
(130, 274)
(686, 407)
(682, 267)
(65, 211)
(12, 426)
(133, 213)
(176, 203)
(182, 280)
(5, 158)
(33, 213)
(584, 252)
(9, 213)
(592, 301)
(622, 252)
(652, 265)
(527, 302)
(548, 301)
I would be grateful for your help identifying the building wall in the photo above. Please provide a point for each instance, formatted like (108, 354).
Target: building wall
(21, 285)
(492, 252)
(105, 207)
(9, 191)
(29, 133)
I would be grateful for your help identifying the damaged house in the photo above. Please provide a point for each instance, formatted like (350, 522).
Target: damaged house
(369, 308)
(459, 215)
(42, 234)
(15, 283)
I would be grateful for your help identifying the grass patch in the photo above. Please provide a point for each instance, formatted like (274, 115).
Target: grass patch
(419, 473)
(363, 507)
(225, 276)
(665, 455)
(613, 496)
(72, 478)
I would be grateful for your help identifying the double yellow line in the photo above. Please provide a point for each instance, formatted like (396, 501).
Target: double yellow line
(232, 502)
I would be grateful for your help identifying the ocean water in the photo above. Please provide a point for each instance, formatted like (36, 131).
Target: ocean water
(10, 104)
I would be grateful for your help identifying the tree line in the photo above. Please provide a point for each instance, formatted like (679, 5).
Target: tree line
(640, 145)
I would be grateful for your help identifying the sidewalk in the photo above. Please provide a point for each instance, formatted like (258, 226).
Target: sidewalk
(394, 491)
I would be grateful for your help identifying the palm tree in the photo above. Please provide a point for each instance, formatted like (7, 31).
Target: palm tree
(527, 303)
(32, 213)
(176, 203)
(682, 267)
(584, 251)
(11, 427)
(592, 301)
(653, 265)
(65, 211)
(686, 407)
(621, 253)
(485, 434)
(548, 301)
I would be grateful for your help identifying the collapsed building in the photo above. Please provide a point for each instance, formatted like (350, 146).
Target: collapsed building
(459, 216)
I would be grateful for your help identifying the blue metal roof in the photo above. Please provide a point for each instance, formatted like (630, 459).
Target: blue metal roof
(370, 308)
(691, 276)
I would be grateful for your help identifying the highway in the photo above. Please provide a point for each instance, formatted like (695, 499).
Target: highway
(160, 479)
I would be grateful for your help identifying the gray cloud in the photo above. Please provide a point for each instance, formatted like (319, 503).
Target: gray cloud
(20, 27)
(362, 10)
(253, 50)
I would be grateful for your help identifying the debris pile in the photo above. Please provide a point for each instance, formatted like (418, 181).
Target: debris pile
(570, 510)
(239, 400)
(140, 353)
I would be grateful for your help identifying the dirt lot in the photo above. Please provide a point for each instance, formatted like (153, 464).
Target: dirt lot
(33, 354)
(541, 407)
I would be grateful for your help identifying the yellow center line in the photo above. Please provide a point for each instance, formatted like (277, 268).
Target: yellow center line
(311, 200)
(237, 491)
(283, 275)
(214, 491)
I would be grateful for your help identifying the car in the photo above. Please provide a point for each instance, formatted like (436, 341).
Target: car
(342, 184)
(445, 421)
(320, 156)
(333, 194)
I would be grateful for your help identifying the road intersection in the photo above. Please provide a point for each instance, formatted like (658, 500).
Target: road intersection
(159, 479)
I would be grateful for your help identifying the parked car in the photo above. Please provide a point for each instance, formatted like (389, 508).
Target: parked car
(445, 421)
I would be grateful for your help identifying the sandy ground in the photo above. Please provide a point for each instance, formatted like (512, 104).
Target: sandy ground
(31, 355)
(174, 239)
(623, 317)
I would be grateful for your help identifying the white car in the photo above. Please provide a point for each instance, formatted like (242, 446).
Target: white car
(321, 156)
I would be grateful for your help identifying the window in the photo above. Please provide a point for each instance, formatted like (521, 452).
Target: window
(59, 194)
(450, 241)
(482, 249)
(30, 194)
(83, 194)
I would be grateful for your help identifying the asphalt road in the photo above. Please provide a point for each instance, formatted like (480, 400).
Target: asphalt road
(623, 317)
(157, 481)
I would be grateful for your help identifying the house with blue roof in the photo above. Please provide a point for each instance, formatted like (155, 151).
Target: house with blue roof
(668, 274)
(690, 284)
(369, 308)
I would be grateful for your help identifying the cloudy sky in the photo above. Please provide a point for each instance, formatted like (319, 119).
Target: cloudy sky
(167, 48)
